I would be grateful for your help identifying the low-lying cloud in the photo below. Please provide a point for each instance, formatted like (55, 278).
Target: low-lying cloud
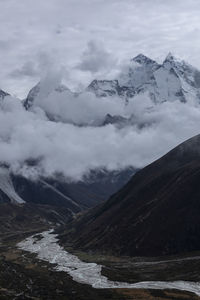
(73, 150)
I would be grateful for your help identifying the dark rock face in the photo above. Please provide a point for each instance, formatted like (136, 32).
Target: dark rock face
(45, 193)
(98, 186)
(104, 88)
(116, 120)
(142, 59)
(3, 94)
(75, 196)
(31, 96)
(94, 189)
(156, 213)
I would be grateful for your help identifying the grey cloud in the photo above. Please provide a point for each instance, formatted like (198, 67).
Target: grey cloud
(95, 58)
(126, 28)
(74, 150)
(29, 38)
(28, 69)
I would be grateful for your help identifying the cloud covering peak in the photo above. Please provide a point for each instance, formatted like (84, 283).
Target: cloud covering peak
(108, 125)
(58, 147)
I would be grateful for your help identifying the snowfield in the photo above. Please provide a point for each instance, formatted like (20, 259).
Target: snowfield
(48, 249)
(6, 186)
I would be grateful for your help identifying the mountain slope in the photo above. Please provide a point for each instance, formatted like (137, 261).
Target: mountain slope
(75, 196)
(94, 189)
(156, 213)
(19, 190)
(7, 190)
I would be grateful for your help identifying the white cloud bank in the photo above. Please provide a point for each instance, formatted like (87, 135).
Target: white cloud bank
(73, 150)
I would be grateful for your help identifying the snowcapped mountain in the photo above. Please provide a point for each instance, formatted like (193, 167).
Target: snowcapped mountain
(104, 102)
(139, 72)
(173, 80)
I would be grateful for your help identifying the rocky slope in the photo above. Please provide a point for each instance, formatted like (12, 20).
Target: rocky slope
(156, 213)
(75, 196)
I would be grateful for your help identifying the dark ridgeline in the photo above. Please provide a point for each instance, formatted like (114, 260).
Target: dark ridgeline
(156, 213)
(57, 191)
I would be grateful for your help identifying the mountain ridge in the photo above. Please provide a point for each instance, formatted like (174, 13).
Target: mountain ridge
(172, 80)
(155, 213)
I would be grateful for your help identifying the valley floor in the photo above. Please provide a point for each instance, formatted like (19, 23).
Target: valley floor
(23, 276)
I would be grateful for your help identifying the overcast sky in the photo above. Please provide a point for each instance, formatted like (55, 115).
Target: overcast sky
(90, 38)
(80, 40)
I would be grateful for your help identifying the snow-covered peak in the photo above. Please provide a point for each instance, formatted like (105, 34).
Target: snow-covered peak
(170, 57)
(171, 81)
(172, 62)
(188, 75)
(143, 60)
(138, 72)
(174, 80)
(179, 65)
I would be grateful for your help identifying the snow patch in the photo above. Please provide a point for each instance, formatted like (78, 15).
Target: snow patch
(6, 186)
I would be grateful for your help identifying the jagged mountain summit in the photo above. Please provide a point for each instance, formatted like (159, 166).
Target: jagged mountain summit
(139, 72)
(169, 81)
(173, 80)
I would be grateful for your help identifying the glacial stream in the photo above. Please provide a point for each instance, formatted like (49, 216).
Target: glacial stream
(48, 249)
